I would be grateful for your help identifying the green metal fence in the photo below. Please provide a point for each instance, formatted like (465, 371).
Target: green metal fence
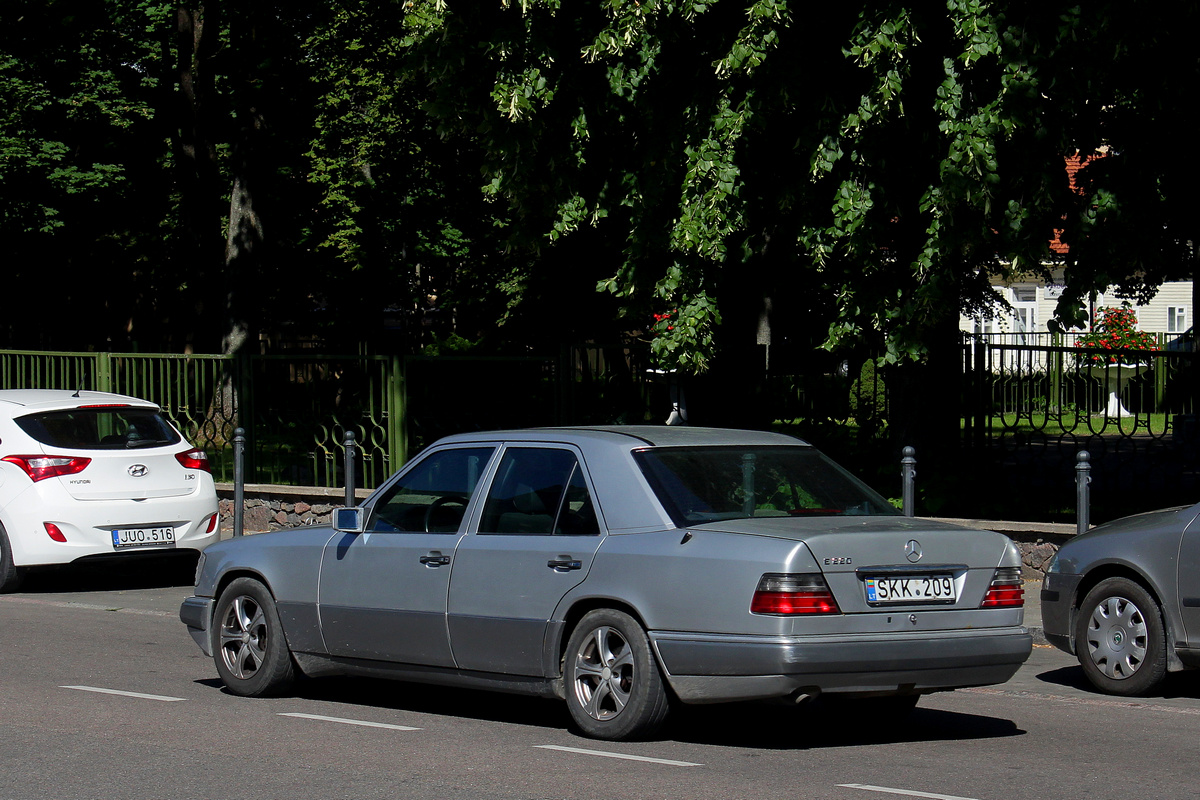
(302, 406)
(295, 410)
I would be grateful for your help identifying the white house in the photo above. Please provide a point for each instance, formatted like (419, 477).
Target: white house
(1033, 303)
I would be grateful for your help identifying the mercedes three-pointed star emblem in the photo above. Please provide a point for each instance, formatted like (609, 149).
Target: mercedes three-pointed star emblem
(912, 551)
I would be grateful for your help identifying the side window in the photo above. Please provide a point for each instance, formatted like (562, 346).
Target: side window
(577, 515)
(539, 491)
(433, 495)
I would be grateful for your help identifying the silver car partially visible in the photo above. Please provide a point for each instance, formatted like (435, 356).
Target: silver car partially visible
(1124, 598)
(622, 569)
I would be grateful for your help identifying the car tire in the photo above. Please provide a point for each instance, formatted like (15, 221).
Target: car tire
(613, 686)
(10, 574)
(1120, 639)
(250, 649)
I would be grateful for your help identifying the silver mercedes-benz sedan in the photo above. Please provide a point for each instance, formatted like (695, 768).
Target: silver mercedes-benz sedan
(622, 569)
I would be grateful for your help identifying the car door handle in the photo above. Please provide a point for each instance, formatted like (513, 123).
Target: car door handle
(435, 560)
(564, 564)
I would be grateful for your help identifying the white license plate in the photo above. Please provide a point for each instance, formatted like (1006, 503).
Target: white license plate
(142, 537)
(911, 589)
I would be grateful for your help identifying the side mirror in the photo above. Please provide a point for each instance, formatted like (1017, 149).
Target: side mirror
(348, 520)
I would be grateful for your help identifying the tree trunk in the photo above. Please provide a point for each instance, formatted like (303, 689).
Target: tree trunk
(197, 34)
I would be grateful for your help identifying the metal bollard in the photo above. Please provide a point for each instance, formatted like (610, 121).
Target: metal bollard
(908, 475)
(1083, 482)
(349, 469)
(239, 480)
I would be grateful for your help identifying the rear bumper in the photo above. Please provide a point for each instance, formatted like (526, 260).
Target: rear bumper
(87, 526)
(713, 669)
(197, 613)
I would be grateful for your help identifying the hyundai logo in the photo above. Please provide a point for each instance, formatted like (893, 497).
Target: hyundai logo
(912, 551)
(138, 470)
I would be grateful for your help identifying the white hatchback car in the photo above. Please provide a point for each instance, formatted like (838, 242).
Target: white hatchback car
(94, 475)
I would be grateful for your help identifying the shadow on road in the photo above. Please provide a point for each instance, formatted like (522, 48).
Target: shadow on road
(771, 727)
(150, 572)
(426, 699)
(1177, 685)
(748, 725)
(1071, 677)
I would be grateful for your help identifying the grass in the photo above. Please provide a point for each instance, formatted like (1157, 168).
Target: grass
(1084, 424)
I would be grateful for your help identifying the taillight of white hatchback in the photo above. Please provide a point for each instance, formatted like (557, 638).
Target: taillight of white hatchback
(194, 459)
(39, 468)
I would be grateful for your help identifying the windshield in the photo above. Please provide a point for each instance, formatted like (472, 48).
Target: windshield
(100, 428)
(705, 484)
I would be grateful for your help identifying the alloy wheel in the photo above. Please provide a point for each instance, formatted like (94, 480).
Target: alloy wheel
(244, 637)
(604, 673)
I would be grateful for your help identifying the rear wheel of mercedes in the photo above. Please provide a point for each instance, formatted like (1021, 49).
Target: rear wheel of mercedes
(613, 686)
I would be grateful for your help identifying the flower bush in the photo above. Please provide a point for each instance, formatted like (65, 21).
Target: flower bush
(664, 322)
(1115, 328)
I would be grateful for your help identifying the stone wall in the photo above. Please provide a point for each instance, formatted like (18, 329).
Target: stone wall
(1037, 541)
(271, 508)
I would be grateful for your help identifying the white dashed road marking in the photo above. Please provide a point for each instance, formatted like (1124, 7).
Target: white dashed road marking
(904, 792)
(343, 721)
(605, 754)
(99, 690)
(88, 606)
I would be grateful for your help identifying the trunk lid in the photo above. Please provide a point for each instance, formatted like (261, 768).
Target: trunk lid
(131, 475)
(916, 559)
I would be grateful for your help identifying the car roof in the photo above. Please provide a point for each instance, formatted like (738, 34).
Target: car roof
(55, 399)
(634, 435)
(628, 502)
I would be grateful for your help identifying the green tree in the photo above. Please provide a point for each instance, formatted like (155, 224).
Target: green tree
(151, 169)
(697, 141)
(400, 214)
(1121, 89)
(78, 109)
(888, 158)
(846, 174)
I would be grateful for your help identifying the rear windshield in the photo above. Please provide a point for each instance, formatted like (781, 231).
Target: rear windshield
(705, 484)
(110, 428)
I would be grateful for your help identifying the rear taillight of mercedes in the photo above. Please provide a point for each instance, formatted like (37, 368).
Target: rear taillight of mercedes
(782, 594)
(39, 468)
(1006, 589)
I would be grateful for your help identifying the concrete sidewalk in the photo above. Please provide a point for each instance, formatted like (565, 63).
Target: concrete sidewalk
(1033, 611)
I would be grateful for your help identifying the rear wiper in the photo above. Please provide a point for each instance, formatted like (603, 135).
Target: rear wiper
(133, 444)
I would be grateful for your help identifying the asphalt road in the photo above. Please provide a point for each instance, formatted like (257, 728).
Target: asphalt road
(106, 696)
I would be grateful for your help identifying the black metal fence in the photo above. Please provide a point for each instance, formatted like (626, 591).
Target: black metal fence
(1031, 408)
